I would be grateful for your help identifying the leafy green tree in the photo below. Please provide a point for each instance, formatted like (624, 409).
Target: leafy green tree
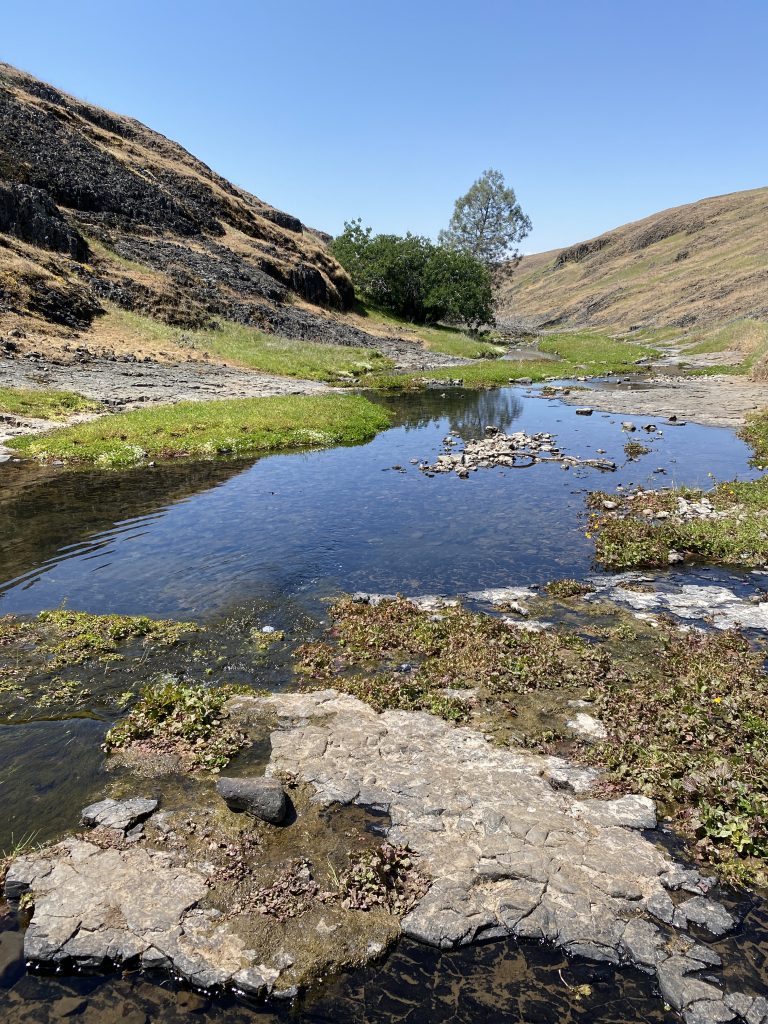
(414, 278)
(487, 222)
(458, 288)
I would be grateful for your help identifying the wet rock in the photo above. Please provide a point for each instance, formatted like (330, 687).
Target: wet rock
(118, 814)
(587, 727)
(712, 916)
(584, 412)
(716, 604)
(263, 798)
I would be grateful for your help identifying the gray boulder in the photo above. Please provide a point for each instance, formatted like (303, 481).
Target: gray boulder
(263, 798)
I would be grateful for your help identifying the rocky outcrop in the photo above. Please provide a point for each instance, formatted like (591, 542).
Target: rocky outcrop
(31, 215)
(163, 225)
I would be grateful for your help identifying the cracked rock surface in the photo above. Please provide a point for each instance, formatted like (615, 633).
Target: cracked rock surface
(508, 852)
(514, 842)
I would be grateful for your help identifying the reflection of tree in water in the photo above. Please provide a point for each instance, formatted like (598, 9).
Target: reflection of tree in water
(468, 412)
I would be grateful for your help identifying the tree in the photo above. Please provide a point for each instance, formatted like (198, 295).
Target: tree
(487, 222)
(417, 280)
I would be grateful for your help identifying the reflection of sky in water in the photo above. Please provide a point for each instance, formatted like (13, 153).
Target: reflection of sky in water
(342, 519)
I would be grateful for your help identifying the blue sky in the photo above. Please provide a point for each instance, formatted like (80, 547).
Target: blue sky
(597, 112)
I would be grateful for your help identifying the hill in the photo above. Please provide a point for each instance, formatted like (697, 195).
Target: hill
(100, 214)
(696, 265)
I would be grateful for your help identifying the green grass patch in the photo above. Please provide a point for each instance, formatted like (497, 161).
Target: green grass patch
(204, 430)
(268, 353)
(437, 338)
(755, 433)
(582, 354)
(44, 404)
(746, 335)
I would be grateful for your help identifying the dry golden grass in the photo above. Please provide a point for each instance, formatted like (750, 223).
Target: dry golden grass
(702, 263)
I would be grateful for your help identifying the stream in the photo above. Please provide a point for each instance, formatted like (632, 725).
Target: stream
(271, 541)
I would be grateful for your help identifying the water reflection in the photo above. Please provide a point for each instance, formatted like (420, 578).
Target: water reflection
(194, 540)
(468, 415)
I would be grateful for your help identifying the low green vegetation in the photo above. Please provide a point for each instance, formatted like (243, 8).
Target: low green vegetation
(692, 733)
(269, 353)
(581, 354)
(645, 529)
(44, 660)
(186, 720)
(437, 338)
(634, 450)
(392, 655)
(45, 404)
(686, 712)
(566, 588)
(204, 430)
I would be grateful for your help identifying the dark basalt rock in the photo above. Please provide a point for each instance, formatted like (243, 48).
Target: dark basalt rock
(263, 798)
(31, 215)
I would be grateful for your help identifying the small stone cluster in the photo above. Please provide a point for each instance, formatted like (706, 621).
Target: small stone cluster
(515, 451)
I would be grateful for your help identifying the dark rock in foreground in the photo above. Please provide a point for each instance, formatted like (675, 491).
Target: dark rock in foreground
(263, 798)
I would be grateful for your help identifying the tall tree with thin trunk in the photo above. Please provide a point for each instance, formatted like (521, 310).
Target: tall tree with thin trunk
(487, 222)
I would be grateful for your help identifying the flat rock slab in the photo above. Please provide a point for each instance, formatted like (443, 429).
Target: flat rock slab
(513, 842)
(716, 401)
(118, 814)
(514, 846)
(717, 604)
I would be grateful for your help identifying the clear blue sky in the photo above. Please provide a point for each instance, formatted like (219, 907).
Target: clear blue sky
(597, 112)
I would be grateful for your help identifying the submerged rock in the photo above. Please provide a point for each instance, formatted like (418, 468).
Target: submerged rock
(263, 798)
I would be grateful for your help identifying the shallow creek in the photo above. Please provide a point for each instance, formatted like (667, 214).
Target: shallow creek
(268, 542)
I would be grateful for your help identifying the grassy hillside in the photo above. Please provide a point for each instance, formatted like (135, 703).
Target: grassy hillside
(693, 265)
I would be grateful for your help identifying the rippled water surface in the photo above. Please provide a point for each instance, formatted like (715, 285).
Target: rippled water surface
(280, 535)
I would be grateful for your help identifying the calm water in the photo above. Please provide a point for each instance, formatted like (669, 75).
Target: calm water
(279, 535)
(195, 541)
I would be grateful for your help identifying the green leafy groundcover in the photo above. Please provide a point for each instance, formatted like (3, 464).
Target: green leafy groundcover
(686, 712)
(203, 430)
(188, 720)
(629, 533)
